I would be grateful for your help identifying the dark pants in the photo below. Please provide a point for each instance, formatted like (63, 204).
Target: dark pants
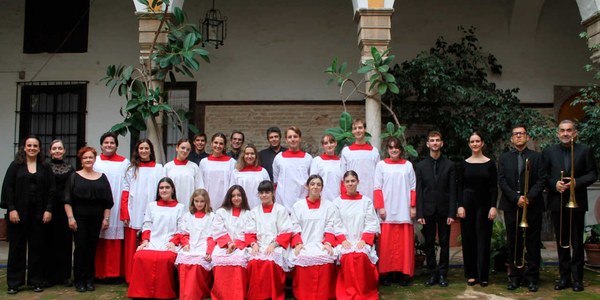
(432, 224)
(86, 240)
(531, 271)
(476, 230)
(59, 257)
(25, 251)
(570, 260)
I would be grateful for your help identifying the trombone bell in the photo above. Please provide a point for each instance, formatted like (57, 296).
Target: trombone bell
(523, 224)
(572, 203)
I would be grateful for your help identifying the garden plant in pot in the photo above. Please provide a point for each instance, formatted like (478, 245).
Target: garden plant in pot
(592, 245)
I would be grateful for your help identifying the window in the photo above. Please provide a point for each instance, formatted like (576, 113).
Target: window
(56, 26)
(52, 110)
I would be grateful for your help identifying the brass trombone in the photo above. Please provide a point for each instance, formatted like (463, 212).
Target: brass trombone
(572, 204)
(523, 223)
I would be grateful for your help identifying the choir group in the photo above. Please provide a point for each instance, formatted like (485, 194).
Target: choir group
(235, 225)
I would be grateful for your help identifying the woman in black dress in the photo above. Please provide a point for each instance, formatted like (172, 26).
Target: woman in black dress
(478, 193)
(27, 194)
(88, 200)
(59, 237)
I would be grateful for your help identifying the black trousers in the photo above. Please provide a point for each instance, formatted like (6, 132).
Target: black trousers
(433, 224)
(86, 240)
(59, 256)
(531, 271)
(570, 261)
(476, 230)
(25, 251)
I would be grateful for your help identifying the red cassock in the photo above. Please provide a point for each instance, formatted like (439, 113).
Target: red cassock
(153, 272)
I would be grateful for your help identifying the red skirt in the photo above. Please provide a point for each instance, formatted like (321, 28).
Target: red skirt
(129, 247)
(397, 249)
(314, 282)
(152, 275)
(194, 282)
(109, 258)
(266, 280)
(357, 278)
(230, 282)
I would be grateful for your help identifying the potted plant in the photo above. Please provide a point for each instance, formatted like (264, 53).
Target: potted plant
(498, 250)
(419, 248)
(591, 244)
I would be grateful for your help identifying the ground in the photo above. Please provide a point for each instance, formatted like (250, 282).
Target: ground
(457, 289)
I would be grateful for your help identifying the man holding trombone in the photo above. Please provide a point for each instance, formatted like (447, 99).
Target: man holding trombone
(522, 175)
(571, 169)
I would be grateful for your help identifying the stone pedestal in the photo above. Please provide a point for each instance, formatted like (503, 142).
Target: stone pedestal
(374, 30)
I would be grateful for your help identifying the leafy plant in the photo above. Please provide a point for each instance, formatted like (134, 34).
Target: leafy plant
(138, 85)
(592, 233)
(380, 82)
(498, 242)
(447, 89)
(589, 125)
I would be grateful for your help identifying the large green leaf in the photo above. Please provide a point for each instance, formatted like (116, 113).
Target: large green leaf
(390, 127)
(346, 121)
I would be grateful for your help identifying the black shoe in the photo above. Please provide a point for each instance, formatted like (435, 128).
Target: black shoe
(471, 281)
(443, 280)
(404, 280)
(67, 283)
(513, 285)
(90, 287)
(12, 290)
(561, 285)
(38, 289)
(385, 280)
(80, 287)
(432, 280)
(484, 284)
(533, 287)
(577, 286)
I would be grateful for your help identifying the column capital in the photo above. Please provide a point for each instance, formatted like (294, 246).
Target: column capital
(593, 32)
(374, 29)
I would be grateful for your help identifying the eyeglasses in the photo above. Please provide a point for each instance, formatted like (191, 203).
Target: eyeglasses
(519, 133)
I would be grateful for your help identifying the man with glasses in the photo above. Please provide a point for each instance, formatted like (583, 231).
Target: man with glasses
(511, 177)
(558, 160)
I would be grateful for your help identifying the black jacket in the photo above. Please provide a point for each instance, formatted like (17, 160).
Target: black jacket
(436, 196)
(513, 186)
(15, 189)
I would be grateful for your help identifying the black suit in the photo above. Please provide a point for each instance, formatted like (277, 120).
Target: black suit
(557, 159)
(436, 201)
(512, 184)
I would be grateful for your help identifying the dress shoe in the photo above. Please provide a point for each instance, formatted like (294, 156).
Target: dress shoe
(443, 280)
(432, 280)
(533, 287)
(38, 289)
(12, 290)
(513, 285)
(561, 285)
(483, 284)
(577, 286)
(471, 282)
(90, 287)
(80, 287)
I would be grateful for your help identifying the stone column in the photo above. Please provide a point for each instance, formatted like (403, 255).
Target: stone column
(149, 24)
(374, 30)
(593, 32)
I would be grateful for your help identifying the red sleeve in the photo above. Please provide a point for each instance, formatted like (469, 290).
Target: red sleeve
(240, 244)
(329, 238)
(185, 240)
(146, 235)
(176, 239)
(369, 238)
(413, 198)
(283, 239)
(378, 201)
(124, 213)
(223, 240)
(249, 238)
(211, 245)
(340, 238)
(297, 239)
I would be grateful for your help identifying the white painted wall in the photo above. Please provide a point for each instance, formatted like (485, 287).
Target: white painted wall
(278, 49)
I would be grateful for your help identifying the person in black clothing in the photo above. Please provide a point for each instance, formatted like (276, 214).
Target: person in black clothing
(198, 152)
(88, 200)
(267, 155)
(436, 206)
(511, 177)
(58, 261)
(558, 159)
(27, 194)
(477, 196)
